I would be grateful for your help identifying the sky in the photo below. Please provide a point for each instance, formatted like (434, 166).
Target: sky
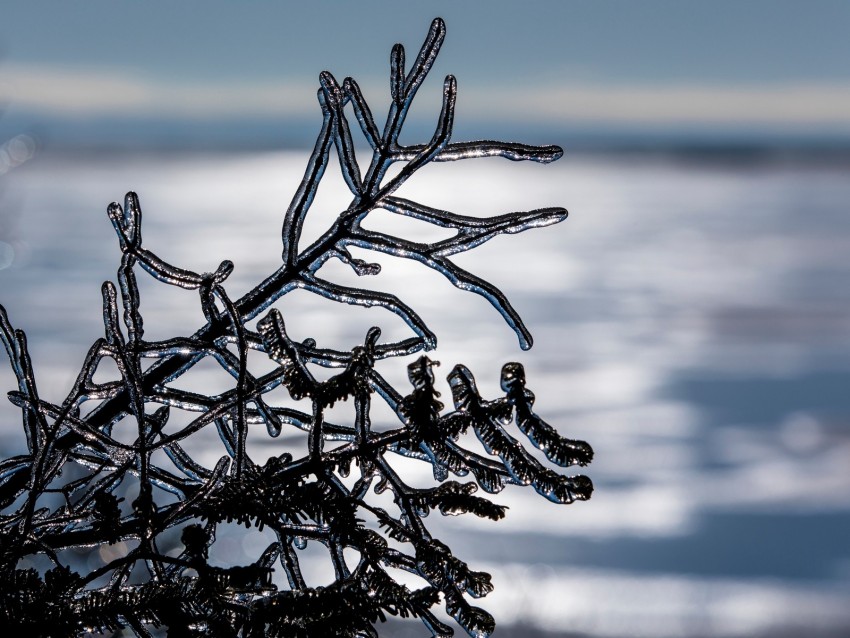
(129, 70)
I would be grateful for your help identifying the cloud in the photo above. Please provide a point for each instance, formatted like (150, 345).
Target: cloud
(75, 92)
(799, 104)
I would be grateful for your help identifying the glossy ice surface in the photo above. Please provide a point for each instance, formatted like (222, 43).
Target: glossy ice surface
(690, 320)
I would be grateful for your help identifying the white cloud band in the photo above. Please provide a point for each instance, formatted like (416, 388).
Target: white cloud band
(58, 91)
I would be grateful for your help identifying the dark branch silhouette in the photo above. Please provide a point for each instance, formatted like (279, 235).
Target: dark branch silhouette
(81, 484)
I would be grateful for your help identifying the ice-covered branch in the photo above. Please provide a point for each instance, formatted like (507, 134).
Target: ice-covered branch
(116, 466)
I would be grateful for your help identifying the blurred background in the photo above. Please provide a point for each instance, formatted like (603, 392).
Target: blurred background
(692, 317)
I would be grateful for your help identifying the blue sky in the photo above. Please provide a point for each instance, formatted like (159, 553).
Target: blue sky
(764, 66)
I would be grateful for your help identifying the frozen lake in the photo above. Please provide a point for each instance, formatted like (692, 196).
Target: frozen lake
(691, 321)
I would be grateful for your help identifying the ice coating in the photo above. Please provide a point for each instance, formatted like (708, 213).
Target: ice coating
(133, 482)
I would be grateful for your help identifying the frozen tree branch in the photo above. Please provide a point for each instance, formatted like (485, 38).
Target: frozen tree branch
(103, 467)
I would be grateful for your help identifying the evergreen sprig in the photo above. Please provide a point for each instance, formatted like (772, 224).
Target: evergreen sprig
(94, 475)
